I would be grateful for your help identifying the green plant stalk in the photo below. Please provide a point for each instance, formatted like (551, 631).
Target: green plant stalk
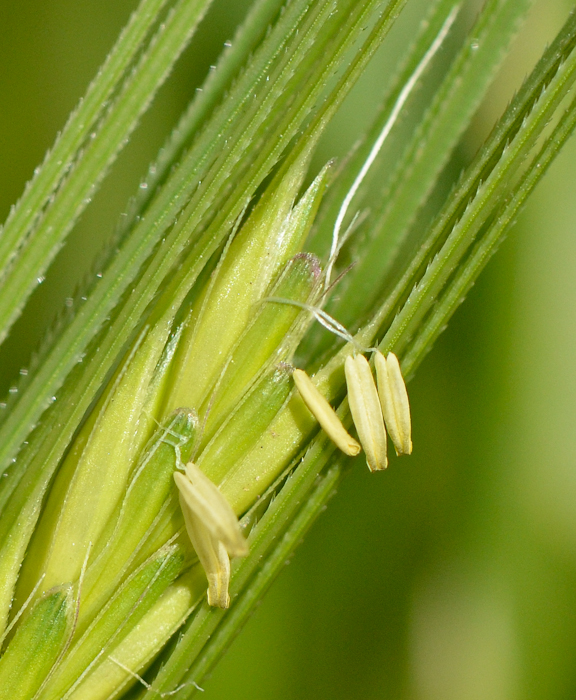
(106, 141)
(486, 181)
(58, 161)
(455, 293)
(219, 80)
(428, 152)
(348, 171)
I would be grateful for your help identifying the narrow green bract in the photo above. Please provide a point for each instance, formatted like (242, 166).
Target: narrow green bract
(40, 639)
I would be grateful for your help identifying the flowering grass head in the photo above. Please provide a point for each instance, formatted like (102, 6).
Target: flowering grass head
(180, 434)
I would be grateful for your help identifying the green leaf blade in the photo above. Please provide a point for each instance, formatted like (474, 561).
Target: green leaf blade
(32, 259)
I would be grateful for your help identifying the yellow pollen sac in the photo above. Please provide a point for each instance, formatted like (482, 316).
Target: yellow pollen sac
(212, 555)
(366, 411)
(212, 509)
(213, 529)
(325, 414)
(394, 401)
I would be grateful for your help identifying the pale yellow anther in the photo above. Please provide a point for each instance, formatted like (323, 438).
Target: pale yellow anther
(394, 400)
(325, 414)
(212, 509)
(212, 555)
(366, 411)
(213, 529)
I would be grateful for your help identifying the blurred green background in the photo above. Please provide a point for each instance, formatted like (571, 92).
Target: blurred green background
(452, 576)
